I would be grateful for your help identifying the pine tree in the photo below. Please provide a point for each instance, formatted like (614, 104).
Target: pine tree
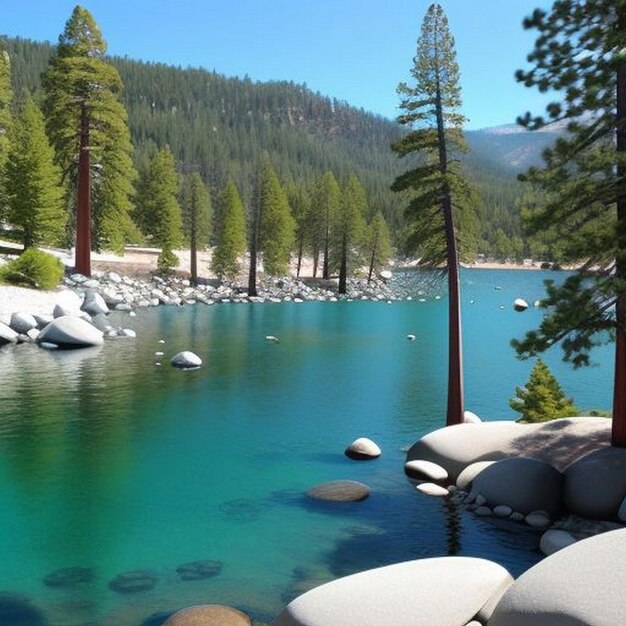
(277, 226)
(349, 228)
(580, 53)
(158, 211)
(378, 244)
(325, 202)
(6, 99)
(440, 193)
(542, 398)
(231, 235)
(300, 203)
(33, 181)
(87, 124)
(196, 213)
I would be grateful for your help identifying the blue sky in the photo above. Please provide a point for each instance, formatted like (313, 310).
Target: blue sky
(354, 50)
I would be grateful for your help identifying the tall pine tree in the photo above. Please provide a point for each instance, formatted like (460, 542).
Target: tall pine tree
(579, 54)
(325, 203)
(158, 211)
(231, 234)
(196, 213)
(378, 244)
(6, 99)
(87, 124)
(439, 192)
(33, 181)
(300, 203)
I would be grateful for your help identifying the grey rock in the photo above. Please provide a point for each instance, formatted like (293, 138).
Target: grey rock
(467, 476)
(186, 360)
(432, 489)
(554, 540)
(69, 577)
(33, 334)
(21, 323)
(7, 334)
(101, 322)
(340, 491)
(70, 331)
(94, 304)
(43, 319)
(123, 306)
(47, 345)
(483, 511)
(199, 570)
(537, 519)
(425, 470)
(502, 510)
(131, 582)
(362, 449)
(128, 332)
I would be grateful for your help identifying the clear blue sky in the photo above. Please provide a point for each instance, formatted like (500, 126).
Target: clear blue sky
(354, 50)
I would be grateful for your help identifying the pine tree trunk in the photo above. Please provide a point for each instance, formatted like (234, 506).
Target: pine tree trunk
(193, 261)
(254, 240)
(618, 434)
(83, 205)
(326, 269)
(343, 269)
(454, 414)
(300, 251)
(372, 261)
(316, 260)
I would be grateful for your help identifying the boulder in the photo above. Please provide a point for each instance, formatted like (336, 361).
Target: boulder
(70, 331)
(520, 305)
(554, 540)
(595, 486)
(131, 582)
(199, 570)
(186, 360)
(68, 303)
(209, 615)
(621, 512)
(340, 491)
(94, 304)
(502, 510)
(467, 476)
(525, 485)
(101, 322)
(7, 334)
(43, 319)
(579, 585)
(414, 593)
(537, 519)
(471, 418)
(431, 489)
(425, 470)
(21, 323)
(362, 449)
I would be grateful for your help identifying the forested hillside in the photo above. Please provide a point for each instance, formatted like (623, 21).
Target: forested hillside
(221, 127)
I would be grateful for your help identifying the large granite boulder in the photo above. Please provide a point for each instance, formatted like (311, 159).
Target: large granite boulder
(21, 323)
(209, 615)
(363, 449)
(580, 585)
(415, 593)
(465, 479)
(70, 331)
(595, 485)
(94, 304)
(526, 485)
(7, 334)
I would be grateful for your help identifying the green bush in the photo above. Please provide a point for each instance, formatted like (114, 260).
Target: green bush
(167, 261)
(34, 269)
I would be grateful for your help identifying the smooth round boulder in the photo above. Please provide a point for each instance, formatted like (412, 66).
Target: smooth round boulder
(132, 582)
(525, 485)
(579, 585)
(554, 540)
(595, 486)
(186, 360)
(520, 304)
(21, 323)
(209, 615)
(414, 593)
(431, 489)
(425, 470)
(467, 476)
(502, 510)
(70, 331)
(7, 334)
(340, 491)
(199, 570)
(537, 519)
(471, 418)
(362, 449)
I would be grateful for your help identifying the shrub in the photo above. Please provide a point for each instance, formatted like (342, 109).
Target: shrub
(167, 260)
(33, 268)
(542, 398)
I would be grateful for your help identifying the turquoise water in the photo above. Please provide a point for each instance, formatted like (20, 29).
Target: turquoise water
(111, 462)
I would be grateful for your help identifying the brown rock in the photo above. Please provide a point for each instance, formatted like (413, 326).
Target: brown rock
(340, 491)
(209, 615)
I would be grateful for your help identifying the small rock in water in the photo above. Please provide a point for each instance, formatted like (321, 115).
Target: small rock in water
(159, 353)
(520, 305)
(362, 449)
(186, 360)
(132, 314)
(131, 582)
(199, 570)
(431, 489)
(340, 491)
(272, 339)
(128, 332)
(411, 337)
(161, 340)
(69, 576)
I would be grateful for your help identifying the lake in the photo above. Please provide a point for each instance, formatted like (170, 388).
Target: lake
(111, 462)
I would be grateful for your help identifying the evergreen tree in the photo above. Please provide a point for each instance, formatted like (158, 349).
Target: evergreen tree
(158, 211)
(196, 213)
(300, 203)
(33, 181)
(349, 228)
(440, 193)
(325, 203)
(378, 244)
(542, 398)
(580, 53)
(277, 226)
(231, 236)
(87, 124)
(6, 99)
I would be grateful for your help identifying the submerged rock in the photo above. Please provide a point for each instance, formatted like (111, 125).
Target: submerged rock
(340, 491)
(131, 582)
(199, 570)
(17, 610)
(69, 577)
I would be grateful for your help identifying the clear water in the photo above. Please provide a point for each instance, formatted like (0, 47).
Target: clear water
(111, 462)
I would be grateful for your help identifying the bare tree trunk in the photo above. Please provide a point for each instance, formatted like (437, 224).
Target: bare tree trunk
(254, 242)
(343, 269)
(454, 413)
(82, 261)
(316, 260)
(300, 251)
(618, 434)
(193, 251)
(372, 261)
